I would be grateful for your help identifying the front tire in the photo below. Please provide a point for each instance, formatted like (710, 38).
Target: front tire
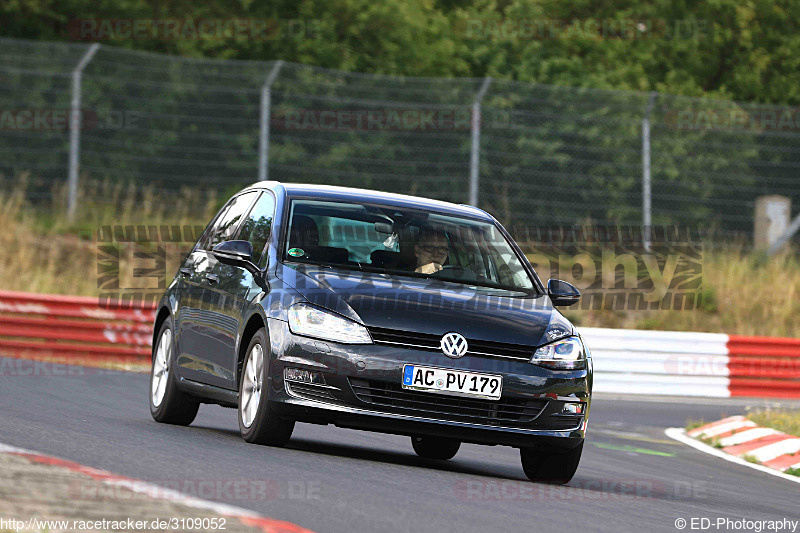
(258, 421)
(556, 468)
(435, 447)
(168, 404)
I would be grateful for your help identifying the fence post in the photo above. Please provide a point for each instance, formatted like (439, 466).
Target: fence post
(75, 130)
(475, 149)
(263, 140)
(647, 221)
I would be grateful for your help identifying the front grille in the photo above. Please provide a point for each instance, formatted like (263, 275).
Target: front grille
(394, 398)
(426, 341)
(308, 391)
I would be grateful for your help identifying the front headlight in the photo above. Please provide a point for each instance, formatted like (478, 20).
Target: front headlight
(312, 321)
(565, 354)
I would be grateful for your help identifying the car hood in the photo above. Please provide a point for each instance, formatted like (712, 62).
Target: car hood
(429, 306)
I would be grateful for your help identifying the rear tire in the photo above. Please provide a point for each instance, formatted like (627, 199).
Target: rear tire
(258, 421)
(556, 468)
(168, 404)
(435, 447)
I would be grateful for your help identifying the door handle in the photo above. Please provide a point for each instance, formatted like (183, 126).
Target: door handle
(212, 278)
(186, 272)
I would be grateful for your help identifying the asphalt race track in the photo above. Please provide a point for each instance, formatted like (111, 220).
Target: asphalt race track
(632, 477)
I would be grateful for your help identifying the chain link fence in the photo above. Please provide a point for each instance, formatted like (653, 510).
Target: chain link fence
(540, 155)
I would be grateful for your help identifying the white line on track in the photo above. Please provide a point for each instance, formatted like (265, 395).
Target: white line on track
(680, 435)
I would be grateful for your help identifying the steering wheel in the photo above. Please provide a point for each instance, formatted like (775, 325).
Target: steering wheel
(457, 271)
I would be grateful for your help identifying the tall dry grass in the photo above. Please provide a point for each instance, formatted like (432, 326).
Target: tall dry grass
(46, 252)
(102, 203)
(743, 293)
(750, 295)
(786, 420)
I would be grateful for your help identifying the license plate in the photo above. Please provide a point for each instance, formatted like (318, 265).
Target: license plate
(454, 382)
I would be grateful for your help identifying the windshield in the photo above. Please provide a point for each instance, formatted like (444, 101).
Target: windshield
(398, 241)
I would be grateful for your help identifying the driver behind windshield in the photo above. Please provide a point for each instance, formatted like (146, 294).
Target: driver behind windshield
(431, 250)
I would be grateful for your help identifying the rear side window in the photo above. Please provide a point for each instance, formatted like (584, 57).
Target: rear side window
(229, 220)
(258, 224)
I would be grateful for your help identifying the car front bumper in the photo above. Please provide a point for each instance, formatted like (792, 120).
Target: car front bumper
(529, 414)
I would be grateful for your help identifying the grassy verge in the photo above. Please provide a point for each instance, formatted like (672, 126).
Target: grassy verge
(711, 441)
(786, 420)
(734, 299)
(47, 253)
(694, 424)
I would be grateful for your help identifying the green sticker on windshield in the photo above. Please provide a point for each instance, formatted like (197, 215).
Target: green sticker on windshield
(296, 252)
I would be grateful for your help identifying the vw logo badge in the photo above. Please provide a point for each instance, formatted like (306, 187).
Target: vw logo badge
(453, 345)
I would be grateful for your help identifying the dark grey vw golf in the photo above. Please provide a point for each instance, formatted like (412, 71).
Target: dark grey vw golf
(374, 311)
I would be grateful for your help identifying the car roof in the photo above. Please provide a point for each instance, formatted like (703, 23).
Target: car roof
(332, 192)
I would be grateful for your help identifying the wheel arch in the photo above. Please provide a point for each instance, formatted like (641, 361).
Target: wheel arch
(254, 323)
(161, 317)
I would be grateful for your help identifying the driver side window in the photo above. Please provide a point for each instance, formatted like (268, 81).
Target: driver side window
(229, 220)
(258, 226)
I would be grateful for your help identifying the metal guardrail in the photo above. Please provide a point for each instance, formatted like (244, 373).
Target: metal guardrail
(764, 366)
(659, 362)
(45, 324)
(693, 364)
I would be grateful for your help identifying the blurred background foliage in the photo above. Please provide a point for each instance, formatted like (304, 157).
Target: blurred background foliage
(743, 50)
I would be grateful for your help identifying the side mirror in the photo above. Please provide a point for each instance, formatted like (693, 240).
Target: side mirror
(236, 253)
(562, 293)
